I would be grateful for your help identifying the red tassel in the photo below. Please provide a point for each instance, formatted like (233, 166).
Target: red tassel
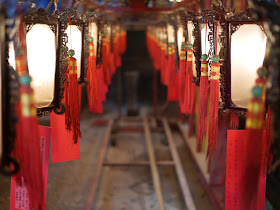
(234, 121)
(92, 87)
(27, 142)
(203, 101)
(189, 78)
(105, 57)
(268, 155)
(213, 106)
(172, 94)
(254, 125)
(72, 103)
(182, 77)
(27, 149)
(193, 97)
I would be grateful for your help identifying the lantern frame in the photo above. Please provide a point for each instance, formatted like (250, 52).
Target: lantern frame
(232, 24)
(40, 16)
(99, 19)
(212, 16)
(92, 17)
(83, 27)
(187, 17)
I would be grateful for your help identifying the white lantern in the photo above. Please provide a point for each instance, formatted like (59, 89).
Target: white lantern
(77, 32)
(93, 31)
(247, 51)
(170, 33)
(45, 47)
(75, 43)
(180, 37)
(41, 58)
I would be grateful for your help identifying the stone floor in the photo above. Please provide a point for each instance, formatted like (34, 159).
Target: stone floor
(120, 188)
(124, 188)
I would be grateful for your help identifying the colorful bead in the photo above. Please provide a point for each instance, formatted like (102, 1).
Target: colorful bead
(257, 91)
(204, 57)
(25, 79)
(190, 46)
(262, 72)
(183, 45)
(71, 53)
(90, 39)
(216, 58)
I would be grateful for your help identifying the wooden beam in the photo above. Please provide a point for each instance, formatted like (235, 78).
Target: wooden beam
(152, 158)
(179, 168)
(138, 163)
(98, 170)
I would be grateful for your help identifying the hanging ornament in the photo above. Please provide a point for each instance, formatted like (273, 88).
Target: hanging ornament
(92, 87)
(163, 61)
(254, 149)
(234, 120)
(105, 59)
(72, 98)
(172, 94)
(203, 100)
(27, 144)
(189, 77)
(213, 105)
(182, 76)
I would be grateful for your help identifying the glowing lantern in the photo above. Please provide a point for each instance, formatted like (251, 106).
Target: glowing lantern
(45, 55)
(77, 33)
(245, 54)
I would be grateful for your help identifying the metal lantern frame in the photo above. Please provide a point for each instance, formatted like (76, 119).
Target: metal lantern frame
(92, 17)
(40, 16)
(83, 27)
(187, 17)
(211, 17)
(232, 24)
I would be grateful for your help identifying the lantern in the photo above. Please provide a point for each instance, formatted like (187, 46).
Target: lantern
(208, 25)
(93, 28)
(45, 45)
(191, 33)
(245, 54)
(77, 33)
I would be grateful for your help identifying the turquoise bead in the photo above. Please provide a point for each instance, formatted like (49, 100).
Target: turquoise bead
(204, 57)
(90, 39)
(71, 53)
(190, 46)
(257, 91)
(25, 79)
(216, 58)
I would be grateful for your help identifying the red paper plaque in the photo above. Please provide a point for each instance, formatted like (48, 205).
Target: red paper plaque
(63, 148)
(237, 161)
(19, 195)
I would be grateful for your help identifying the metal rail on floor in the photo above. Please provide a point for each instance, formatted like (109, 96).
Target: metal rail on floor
(152, 163)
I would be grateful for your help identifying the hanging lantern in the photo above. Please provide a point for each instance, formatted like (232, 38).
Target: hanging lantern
(191, 33)
(78, 31)
(45, 43)
(246, 41)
